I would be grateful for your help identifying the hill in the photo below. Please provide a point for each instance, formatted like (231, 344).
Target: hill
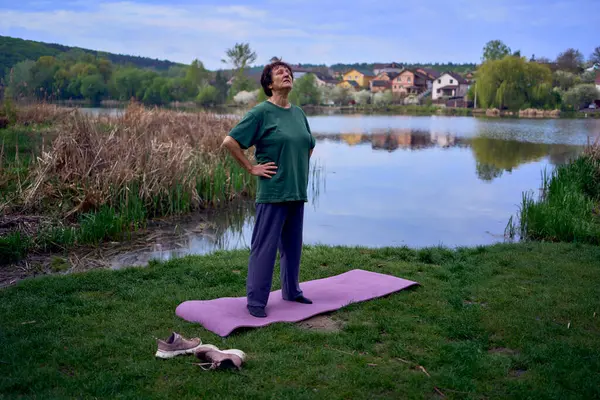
(14, 50)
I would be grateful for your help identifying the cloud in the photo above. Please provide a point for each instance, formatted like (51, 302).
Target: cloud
(242, 11)
(182, 32)
(308, 31)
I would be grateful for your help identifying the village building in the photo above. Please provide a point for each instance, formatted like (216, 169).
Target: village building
(382, 81)
(391, 67)
(324, 80)
(449, 84)
(410, 81)
(350, 85)
(362, 78)
(432, 74)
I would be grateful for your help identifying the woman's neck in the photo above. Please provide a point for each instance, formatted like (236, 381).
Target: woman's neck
(280, 99)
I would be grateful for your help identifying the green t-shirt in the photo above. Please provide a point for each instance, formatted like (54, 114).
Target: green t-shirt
(283, 136)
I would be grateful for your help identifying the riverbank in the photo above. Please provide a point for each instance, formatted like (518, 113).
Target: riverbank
(504, 321)
(68, 179)
(366, 109)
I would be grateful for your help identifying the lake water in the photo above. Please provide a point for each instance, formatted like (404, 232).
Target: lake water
(403, 180)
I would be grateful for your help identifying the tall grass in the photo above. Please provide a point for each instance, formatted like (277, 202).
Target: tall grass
(13, 247)
(103, 177)
(568, 208)
(169, 161)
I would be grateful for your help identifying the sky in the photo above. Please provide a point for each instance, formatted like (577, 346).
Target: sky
(308, 31)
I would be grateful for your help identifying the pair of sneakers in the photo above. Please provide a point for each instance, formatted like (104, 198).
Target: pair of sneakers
(212, 356)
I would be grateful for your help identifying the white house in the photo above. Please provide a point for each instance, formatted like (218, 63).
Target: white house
(598, 80)
(449, 84)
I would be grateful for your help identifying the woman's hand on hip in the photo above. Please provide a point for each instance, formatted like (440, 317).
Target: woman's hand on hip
(265, 170)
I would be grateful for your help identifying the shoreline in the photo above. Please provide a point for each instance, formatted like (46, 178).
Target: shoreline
(391, 109)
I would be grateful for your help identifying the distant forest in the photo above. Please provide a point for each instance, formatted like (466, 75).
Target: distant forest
(13, 51)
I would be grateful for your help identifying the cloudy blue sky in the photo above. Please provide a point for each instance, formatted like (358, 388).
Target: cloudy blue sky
(308, 30)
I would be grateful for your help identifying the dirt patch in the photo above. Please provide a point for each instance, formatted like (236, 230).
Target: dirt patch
(322, 323)
(503, 350)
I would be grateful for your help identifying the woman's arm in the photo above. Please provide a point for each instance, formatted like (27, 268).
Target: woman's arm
(264, 170)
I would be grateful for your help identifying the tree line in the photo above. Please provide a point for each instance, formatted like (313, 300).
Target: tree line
(503, 80)
(507, 80)
(14, 50)
(83, 76)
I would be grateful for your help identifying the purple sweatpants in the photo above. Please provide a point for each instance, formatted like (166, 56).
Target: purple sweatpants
(277, 226)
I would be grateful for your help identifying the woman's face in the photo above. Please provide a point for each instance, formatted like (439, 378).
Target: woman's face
(282, 79)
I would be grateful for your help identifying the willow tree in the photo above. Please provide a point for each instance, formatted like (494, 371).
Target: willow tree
(514, 83)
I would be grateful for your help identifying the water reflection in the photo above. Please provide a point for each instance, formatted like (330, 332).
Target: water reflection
(493, 156)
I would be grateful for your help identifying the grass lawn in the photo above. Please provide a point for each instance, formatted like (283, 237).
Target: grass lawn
(506, 321)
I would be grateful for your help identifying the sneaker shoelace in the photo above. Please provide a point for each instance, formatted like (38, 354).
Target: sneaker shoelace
(211, 365)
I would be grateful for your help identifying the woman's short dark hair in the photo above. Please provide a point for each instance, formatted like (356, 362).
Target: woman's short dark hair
(267, 77)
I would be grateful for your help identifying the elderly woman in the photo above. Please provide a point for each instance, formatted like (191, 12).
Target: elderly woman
(283, 147)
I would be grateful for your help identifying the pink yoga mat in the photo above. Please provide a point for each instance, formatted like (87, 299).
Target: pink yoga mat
(222, 316)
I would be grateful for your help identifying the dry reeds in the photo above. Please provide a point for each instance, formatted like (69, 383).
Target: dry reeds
(40, 113)
(593, 150)
(170, 161)
(537, 113)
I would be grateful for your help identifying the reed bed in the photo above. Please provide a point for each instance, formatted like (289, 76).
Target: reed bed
(41, 113)
(169, 161)
(102, 177)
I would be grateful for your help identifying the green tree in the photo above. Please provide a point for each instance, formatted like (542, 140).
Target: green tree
(595, 56)
(62, 79)
(514, 83)
(305, 91)
(239, 57)
(176, 71)
(157, 92)
(105, 69)
(181, 89)
(197, 74)
(21, 79)
(43, 76)
(588, 77)
(93, 88)
(208, 96)
(241, 83)
(581, 96)
(570, 60)
(341, 95)
(495, 50)
(127, 83)
(564, 80)
(221, 86)
(82, 69)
